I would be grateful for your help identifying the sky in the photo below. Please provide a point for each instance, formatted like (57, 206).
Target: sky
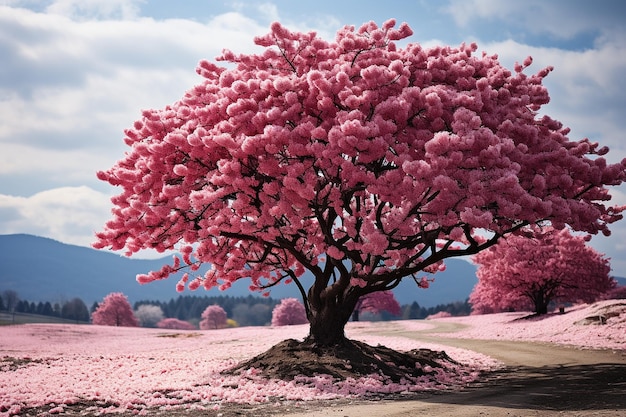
(75, 73)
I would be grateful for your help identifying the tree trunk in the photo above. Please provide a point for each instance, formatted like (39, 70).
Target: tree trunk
(327, 323)
(541, 303)
(330, 308)
(541, 309)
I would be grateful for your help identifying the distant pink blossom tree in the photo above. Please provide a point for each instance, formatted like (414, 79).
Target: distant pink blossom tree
(356, 159)
(114, 310)
(377, 302)
(617, 293)
(213, 317)
(288, 312)
(529, 271)
(175, 324)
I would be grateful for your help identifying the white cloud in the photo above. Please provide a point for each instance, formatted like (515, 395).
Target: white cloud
(562, 19)
(68, 214)
(269, 11)
(75, 86)
(96, 9)
(463, 11)
(69, 88)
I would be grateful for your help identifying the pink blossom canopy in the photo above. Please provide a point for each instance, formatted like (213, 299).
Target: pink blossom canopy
(114, 310)
(353, 158)
(213, 317)
(380, 301)
(290, 311)
(529, 272)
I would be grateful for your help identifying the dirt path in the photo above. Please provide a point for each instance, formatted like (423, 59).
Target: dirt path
(540, 379)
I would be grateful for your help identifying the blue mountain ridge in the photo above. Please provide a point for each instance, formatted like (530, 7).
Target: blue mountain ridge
(43, 269)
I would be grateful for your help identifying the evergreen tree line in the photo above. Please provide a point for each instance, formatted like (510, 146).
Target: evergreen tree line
(246, 311)
(256, 311)
(414, 311)
(74, 309)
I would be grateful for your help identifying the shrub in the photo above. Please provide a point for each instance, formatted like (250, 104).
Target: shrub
(175, 324)
(289, 311)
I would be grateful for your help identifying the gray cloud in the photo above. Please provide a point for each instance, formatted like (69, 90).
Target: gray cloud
(562, 19)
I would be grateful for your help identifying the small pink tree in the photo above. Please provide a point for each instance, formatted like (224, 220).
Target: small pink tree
(175, 324)
(115, 310)
(377, 302)
(213, 317)
(530, 270)
(289, 311)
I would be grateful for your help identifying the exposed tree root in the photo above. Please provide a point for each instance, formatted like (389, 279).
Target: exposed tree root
(349, 359)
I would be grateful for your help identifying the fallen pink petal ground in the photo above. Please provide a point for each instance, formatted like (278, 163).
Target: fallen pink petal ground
(579, 326)
(120, 369)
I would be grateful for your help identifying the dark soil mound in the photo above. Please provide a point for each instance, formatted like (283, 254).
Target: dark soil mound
(349, 359)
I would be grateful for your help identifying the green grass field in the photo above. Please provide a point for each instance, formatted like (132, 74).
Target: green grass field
(23, 318)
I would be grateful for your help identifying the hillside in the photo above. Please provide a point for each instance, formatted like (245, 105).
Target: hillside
(42, 269)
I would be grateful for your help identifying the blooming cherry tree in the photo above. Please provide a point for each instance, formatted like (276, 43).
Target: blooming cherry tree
(530, 272)
(377, 302)
(213, 317)
(357, 160)
(289, 311)
(115, 310)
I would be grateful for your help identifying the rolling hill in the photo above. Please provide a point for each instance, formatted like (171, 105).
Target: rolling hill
(42, 269)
